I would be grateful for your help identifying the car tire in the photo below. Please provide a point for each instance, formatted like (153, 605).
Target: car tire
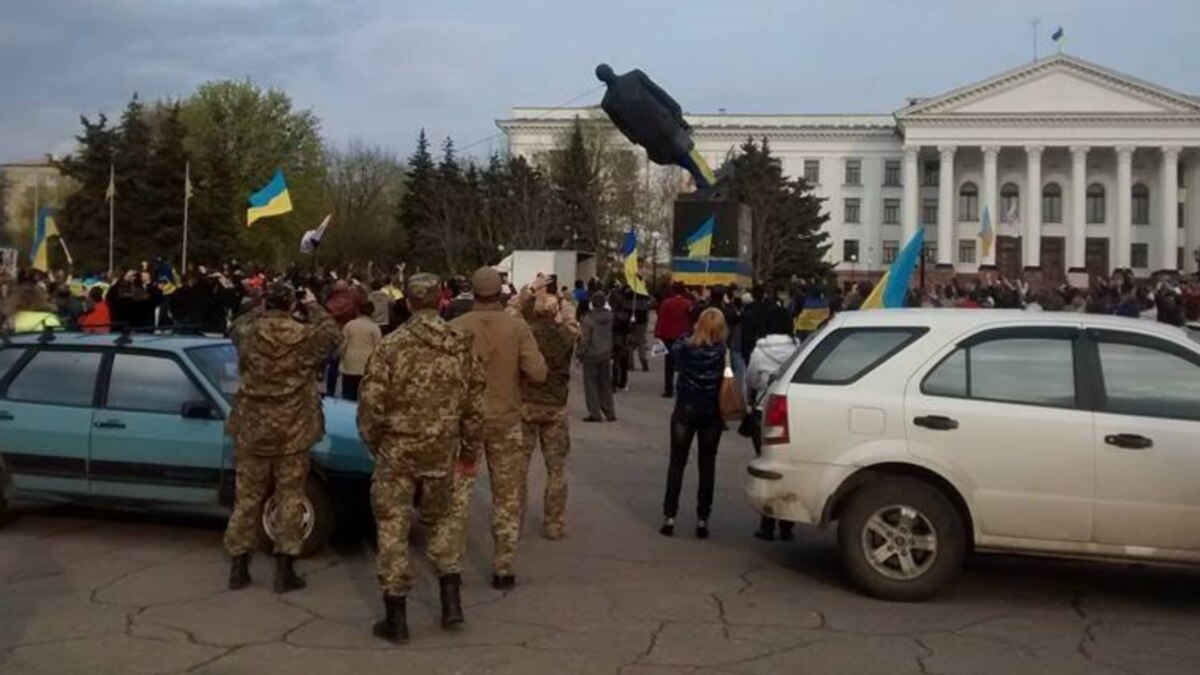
(901, 539)
(320, 517)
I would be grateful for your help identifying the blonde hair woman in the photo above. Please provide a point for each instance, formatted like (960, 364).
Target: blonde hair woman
(700, 364)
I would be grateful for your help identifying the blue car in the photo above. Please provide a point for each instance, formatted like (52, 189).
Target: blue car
(141, 420)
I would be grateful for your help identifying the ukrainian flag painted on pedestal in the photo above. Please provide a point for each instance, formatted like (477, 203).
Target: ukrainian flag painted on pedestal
(272, 200)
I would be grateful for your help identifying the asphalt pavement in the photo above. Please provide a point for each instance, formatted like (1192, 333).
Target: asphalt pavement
(133, 593)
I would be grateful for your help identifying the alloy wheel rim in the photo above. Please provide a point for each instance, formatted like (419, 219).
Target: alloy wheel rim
(899, 542)
(308, 518)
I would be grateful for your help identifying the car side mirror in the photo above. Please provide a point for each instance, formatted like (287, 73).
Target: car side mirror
(197, 410)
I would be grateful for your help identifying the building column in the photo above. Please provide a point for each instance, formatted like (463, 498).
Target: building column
(990, 154)
(909, 204)
(1168, 237)
(1124, 239)
(1033, 207)
(1077, 237)
(1191, 214)
(945, 224)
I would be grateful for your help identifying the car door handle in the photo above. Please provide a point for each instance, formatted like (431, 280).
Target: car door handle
(936, 422)
(109, 424)
(1131, 441)
(6, 416)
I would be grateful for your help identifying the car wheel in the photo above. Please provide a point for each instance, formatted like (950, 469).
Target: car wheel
(901, 539)
(317, 524)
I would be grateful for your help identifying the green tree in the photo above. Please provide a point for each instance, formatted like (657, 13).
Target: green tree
(164, 188)
(134, 239)
(528, 205)
(237, 134)
(413, 214)
(83, 220)
(787, 218)
(577, 189)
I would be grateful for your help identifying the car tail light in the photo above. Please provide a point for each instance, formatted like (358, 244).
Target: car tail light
(775, 429)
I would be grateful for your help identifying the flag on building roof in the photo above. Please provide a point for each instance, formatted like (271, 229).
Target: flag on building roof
(1058, 34)
(699, 243)
(46, 227)
(629, 253)
(986, 234)
(893, 286)
(272, 200)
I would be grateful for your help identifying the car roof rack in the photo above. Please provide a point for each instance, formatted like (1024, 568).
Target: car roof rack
(125, 338)
(46, 336)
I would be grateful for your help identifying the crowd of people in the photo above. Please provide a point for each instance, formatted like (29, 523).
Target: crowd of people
(449, 372)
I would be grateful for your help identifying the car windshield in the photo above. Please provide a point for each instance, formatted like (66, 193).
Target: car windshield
(219, 366)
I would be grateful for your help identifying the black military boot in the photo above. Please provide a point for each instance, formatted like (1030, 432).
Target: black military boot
(239, 572)
(394, 627)
(503, 582)
(286, 578)
(452, 614)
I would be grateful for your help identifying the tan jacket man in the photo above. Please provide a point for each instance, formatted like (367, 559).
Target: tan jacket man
(506, 347)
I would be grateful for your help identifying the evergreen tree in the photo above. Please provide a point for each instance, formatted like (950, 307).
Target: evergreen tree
(787, 218)
(414, 216)
(83, 220)
(134, 239)
(577, 191)
(531, 205)
(164, 189)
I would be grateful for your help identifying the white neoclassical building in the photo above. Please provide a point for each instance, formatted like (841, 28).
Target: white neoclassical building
(1079, 167)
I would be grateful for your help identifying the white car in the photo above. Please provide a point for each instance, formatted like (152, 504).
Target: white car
(928, 433)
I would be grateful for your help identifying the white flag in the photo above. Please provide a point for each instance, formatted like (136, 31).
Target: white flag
(312, 238)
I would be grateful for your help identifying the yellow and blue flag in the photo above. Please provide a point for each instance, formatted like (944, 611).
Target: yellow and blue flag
(629, 253)
(814, 313)
(986, 234)
(272, 200)
(893, 286)
(699, 243)
(46, 227)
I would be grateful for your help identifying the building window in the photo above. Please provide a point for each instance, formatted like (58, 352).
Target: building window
(891, 249)
(891, 211)
(929, 208)
(932, 169)
(854, 172)
(1180, 212)
(850, 211)
(1095, 204)
(812, 171)
(1141, 205)
(1052, 203)
(931, 251)
(968, 202)
(850, 250)
(1010, 203)
(966, 251)
(891, 173)
(1179, 258)
(1139, 256)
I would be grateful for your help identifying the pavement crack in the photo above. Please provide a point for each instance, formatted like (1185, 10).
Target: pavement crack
(928, 653)
(1077, 603)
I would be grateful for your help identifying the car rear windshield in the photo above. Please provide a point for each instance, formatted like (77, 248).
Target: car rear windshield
(848, 354)
(219, 366)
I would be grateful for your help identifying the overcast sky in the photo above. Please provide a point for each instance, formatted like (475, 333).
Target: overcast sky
(378, 70)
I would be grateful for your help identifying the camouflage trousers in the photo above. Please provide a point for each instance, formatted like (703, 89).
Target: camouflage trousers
(507, 469)
(392, 491)
(547, 425)
(256, 477)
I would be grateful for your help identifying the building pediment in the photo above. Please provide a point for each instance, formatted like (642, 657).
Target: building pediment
(1058, 85)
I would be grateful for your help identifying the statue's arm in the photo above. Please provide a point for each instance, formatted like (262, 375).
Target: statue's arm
(664, 98)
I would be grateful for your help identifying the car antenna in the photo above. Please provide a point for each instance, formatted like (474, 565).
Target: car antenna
(47, 335)
(125, 338)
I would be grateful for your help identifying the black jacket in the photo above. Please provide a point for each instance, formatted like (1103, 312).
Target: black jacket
(701, 370)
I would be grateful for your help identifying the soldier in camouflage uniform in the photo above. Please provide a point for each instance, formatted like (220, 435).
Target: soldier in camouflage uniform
(505, 346)
(420, 413)
(276, 419)
(544, 413)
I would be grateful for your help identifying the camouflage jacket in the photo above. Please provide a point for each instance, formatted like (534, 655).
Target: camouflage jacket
(277, 410)
(557, 344)
(420, 403)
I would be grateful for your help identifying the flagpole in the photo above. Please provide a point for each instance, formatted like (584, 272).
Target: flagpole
(112, 199)
(187, 197)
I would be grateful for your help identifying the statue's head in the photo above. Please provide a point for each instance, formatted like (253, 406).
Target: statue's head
(605, 74)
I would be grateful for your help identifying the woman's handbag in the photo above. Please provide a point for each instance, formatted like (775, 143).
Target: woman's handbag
(732, 404)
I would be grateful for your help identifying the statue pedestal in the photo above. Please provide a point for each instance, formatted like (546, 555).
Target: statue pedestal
(729, 255)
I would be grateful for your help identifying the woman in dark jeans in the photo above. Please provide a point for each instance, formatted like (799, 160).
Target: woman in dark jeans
(700, 364)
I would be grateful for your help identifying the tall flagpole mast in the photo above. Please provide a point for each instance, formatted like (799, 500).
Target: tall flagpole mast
(112, 198)
(187, 198)
(1034, 23)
